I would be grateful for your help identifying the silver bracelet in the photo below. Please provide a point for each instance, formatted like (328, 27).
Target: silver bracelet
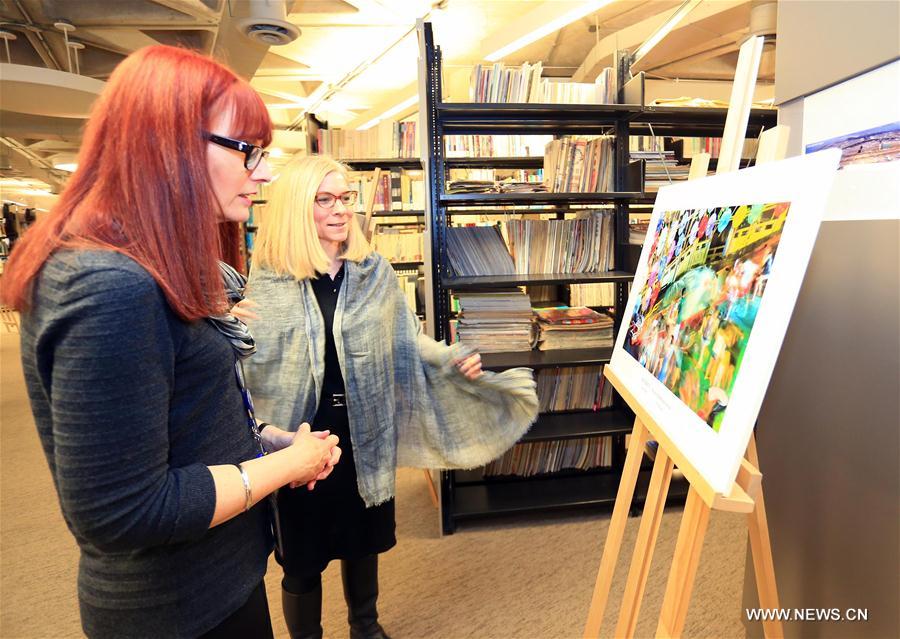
(248, 492)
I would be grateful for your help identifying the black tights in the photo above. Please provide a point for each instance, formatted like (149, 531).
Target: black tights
(301, 584)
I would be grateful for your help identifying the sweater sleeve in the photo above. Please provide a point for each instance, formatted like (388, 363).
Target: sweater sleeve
(108, 360)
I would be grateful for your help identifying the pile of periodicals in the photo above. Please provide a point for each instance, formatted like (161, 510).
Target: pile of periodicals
(399, 243)
(524, 84)
(580, 245)
(579, 165)
(538, 458)
(492, 186)
(478, 250)
(602, 294)
(496, 321)
(573, 327)
(572, 388)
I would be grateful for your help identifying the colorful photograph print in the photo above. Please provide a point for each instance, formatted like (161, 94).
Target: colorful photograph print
(878, 144)
(707, 272)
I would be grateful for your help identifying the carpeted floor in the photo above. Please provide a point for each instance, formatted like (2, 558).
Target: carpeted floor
(503, 578)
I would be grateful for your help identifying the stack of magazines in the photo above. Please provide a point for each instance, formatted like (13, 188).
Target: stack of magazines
(572, 388)
(538, 458)
(580, 245)
(573, 327)
(478, 250)
(495, 322)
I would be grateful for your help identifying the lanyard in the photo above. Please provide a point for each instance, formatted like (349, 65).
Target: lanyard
(248, 406)
(274, 520)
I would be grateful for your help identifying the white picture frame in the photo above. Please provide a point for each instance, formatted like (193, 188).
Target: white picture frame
(705, 455)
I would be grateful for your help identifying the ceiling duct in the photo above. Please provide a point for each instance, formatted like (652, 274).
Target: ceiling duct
(267, 23)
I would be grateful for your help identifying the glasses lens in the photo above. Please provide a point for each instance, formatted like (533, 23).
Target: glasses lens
(349, 198)
(325, 201)
(254, 158)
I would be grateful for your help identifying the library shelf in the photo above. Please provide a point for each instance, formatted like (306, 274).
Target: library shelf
(482, 282)
(577, 424)
(546, 359)
(529, 494)
(526, 199)
(368, 164)
(526, 162)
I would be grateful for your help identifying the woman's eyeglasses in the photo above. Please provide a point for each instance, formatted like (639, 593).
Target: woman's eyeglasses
(253, 154)
(328, 200)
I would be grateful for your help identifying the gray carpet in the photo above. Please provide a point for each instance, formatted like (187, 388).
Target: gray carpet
(503, 578)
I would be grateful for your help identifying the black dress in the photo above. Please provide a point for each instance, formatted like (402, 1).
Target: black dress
(332, 521)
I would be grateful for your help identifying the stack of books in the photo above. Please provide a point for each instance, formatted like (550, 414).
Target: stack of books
(573, 327)
(572, 388)
(579, 165)
(495, 322)
(478, 250)
(539, 458)
(580, 245)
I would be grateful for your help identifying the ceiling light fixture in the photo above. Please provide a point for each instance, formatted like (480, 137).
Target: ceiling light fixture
(557, 23)
(392, 111)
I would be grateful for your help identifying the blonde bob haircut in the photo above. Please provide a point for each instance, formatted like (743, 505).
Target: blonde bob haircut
(287, 241)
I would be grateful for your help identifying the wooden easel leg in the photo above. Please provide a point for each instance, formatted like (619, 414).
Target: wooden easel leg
(761, 550)
(639, 437)
(644, 545)
(684, 566)
(431, 489)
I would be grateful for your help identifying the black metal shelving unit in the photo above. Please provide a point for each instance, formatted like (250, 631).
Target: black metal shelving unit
(469, 494)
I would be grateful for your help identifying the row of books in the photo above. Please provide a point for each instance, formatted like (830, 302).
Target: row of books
(538, 458)
(399, 243)
(584, 244)
(580, 245)
(594, 295)
(573, 388)
(579, 164)
(572, 327)
(408, 278)
(495, 146)
(501, 84)
(387, 139)
(397, 190)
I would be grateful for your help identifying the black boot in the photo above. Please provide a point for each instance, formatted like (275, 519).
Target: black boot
(303, 613)
(360, 577)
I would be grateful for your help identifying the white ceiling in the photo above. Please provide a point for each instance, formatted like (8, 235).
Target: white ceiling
(354, 59)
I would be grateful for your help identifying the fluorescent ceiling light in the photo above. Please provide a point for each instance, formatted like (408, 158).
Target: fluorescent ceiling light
(563, 19)
(66, 166)
(664, 30)
(275, 153)
(392, 111)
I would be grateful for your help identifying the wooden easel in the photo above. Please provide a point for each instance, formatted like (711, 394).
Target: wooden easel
(746, 494)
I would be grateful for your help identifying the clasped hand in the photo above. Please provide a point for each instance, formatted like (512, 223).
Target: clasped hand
(315, 452)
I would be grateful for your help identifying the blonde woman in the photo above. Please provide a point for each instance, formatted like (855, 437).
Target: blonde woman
(339, 347)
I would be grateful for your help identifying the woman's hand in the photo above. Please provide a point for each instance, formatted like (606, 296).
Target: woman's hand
(315, 455)
(242, 311)
(470, 367)
(275, 438)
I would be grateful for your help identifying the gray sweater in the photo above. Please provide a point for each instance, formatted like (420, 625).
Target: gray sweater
(132, 404)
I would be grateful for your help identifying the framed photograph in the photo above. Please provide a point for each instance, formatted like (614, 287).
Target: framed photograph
(719, 273)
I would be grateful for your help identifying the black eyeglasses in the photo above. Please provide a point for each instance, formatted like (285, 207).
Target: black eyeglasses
(328, 200)
(253, 154)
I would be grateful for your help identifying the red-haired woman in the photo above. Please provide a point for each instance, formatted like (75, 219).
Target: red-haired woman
(132, 361)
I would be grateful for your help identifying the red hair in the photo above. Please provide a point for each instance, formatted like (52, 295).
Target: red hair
(142, 187)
